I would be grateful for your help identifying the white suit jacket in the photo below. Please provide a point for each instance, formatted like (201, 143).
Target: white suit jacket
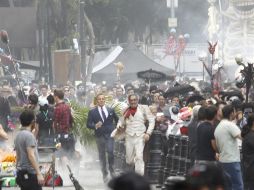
(135, 125)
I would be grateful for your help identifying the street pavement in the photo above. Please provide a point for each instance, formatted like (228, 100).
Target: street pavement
(87, 171)
(89, 177)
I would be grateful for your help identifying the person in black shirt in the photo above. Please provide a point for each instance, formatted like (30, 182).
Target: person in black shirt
(248, 153)
(44, 119)
(205, 137)
(5, 110)
(192, 131)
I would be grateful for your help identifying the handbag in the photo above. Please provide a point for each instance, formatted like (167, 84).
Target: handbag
(58, 181)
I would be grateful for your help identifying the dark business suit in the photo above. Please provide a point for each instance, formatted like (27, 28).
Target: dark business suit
(103, 140)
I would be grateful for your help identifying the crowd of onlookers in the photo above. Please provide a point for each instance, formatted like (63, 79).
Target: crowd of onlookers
(219, 126)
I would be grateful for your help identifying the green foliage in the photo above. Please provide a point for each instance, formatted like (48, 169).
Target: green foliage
(80, 130)
(63, 19)
(80, 115)
(111, 19)
(116, 19)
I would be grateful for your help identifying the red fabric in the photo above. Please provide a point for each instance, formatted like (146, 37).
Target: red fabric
(62, 118)
(57, 181)
(171, 45)
(184, 130)
(130, 111)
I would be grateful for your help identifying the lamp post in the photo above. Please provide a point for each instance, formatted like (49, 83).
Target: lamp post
(202, 57)
(247, 75)
(214, 69)
(212, 51)
(82, 42)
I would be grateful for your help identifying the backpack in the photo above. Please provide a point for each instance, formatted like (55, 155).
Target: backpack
(45, 119)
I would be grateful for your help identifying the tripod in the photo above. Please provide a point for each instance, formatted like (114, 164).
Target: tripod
(52, 169)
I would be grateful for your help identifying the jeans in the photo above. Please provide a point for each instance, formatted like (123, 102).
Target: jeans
(234, 174)
(105, 144)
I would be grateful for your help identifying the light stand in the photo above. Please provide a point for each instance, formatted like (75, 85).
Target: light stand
(248, 73)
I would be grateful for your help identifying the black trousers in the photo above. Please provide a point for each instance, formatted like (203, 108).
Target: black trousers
(27, 181)
(105, 145)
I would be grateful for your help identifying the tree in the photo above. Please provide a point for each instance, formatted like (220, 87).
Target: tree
(118, 19)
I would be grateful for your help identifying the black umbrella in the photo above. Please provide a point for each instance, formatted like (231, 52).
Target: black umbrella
(195, 98)
(225, 95)
(153, 76)
(179, 90)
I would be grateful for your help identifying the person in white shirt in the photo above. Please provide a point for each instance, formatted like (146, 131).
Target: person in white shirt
(44, 93)
(226, 135)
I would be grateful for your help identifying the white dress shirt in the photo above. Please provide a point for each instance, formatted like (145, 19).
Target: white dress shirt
(105, 111)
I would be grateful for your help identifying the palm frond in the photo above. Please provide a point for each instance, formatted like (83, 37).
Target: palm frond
(80, 130)
(80, 115)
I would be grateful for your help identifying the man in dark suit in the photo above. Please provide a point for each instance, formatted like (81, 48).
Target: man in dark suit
(100, 119)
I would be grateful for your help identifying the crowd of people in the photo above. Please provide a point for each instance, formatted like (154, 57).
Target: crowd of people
(218, 125)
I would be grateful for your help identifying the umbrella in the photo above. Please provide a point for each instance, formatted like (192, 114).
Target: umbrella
(153, 75)
(182, 89)
(225, 95)
(194, 98)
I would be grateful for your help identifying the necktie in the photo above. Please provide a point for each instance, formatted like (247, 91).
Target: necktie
(103, 114)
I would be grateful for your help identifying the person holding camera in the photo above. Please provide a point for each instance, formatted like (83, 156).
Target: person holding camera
(29, 176)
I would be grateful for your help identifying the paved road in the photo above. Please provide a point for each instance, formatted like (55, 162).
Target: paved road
(89, 177)
(89, 174)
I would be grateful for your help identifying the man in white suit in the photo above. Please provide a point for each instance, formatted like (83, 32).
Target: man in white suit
(136, 132)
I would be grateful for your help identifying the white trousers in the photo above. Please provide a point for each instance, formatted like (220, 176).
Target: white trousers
(134, 152)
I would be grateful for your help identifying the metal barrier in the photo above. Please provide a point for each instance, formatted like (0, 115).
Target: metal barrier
(153, 167)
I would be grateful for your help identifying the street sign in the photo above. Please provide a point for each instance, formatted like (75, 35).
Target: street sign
(172, 2)
(172, 22)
